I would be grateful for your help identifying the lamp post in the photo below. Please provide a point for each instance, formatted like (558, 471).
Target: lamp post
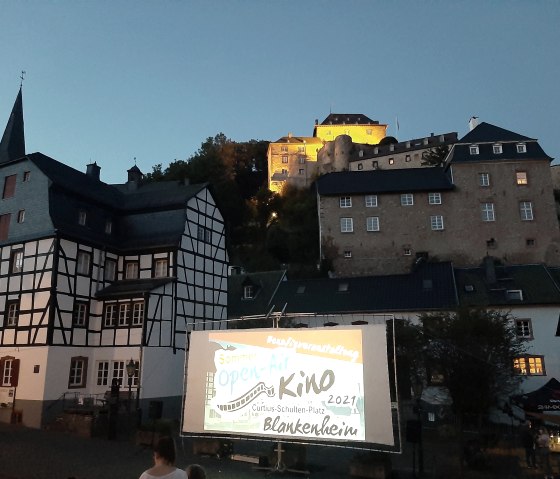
(130, 370)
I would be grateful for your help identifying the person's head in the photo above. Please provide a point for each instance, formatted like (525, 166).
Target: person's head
(165, 449)
(194, 471)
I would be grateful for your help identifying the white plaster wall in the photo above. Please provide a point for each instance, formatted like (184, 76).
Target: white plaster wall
(30, 384)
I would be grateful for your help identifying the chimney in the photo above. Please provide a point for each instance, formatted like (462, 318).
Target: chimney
(473, 123)
(316, 121)
(93, 171)
(489, 269)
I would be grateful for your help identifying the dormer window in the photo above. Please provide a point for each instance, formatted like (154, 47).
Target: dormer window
(514, 294)
(108, 227)
(361, 153)
(342, 287)
(521, 148)
(473, 149)
(497, 149)
(248, 291)
(82, 217)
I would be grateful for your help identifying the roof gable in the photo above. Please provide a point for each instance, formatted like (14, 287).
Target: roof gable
(348, 119)
(486, 132)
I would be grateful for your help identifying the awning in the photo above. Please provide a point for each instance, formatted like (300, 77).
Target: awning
(544, 399)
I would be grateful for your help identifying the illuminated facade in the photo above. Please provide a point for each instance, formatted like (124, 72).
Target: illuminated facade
(358, 127)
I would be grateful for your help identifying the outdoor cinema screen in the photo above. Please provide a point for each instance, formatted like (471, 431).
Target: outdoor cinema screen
(312, 385)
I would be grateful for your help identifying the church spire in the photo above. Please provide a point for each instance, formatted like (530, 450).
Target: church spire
(12, 145)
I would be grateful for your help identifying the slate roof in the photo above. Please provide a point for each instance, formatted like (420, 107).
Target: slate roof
(384, 181)
(300, 139)
(12, 145)
(535, 282)
(485, 136)
(348, 119)
(266, 284)
(131, 287)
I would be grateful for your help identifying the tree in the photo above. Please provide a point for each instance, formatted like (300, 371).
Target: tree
(435, 156)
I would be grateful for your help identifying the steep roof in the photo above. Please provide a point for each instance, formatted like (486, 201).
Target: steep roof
(265, 283)
(299, 139)
(12, 145)
(348, 119)
(384, 181)
(484, 132)
(131, 287)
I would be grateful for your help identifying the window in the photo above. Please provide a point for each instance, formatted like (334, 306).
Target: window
(137, 313)
(284, 148)
(301, 149)
(521, 148)
(371, 201)
(82, 217)
(9, 186)
(284, 171)
(484, 179)
(284, 158)
(473, 149)
(160, 268)
(488, 212)
(301, 160)
(12, 313)
(434, 198)
(521, 177)
(347, 254)
(497, 149)
(131, 270)
(204, 234)
(407, 199)
(16, 261)
(529, 365)
(26, 176)
(523, 328)
(124, 314)
(108, 227)
(361, 154)
(342, 287)
(110, 315)
(407, 159)
(514, 294)
(83, 263)
(391, 161)
(526, 210)
(374, 165)
(407, 251)
(103, 373)
(248, 291)
(110, 272)
(80, 313)
(436, 222)
(368, 131)
(360, 166)
(9, 371)
(346, 225)
(301, 171)
(4, 226)
(345, 202)
(78, 372)
(530, 242)
(372, 223)
(118, 371)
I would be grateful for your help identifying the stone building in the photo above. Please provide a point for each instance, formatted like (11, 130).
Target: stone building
(494, 196)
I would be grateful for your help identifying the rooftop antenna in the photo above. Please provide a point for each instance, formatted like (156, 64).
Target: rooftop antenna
(22, 78)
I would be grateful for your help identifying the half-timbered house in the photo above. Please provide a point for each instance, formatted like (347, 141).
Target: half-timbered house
(94, 276)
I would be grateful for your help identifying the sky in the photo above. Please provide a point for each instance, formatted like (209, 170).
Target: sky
(125, 81)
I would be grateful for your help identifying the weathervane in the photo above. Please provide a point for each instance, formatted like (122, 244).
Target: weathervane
(22, 78)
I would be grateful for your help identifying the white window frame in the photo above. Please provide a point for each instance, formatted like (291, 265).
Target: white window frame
(78, 372)
(348, 254)
(524, 328)
(137, 313)
(487, 211)
(301, 160)
(345, 202)
(372, 223)
(131, 269)
(434, 198)
(110, 272)
(521, 148)
(21, 216)
(436, 222)
(248, 291)
(79, 314)
(284, 148)
(124, 314)
(407, 199)
(102, 373)
(117, 372)
(473, 150)
(7, 372)
(391, 161)
(161, 268)
(12, 313)
(497, 148)
(16, 263)
(284, 158)
(484, 179)
(346, 225)
(110, 315)
(371, 201)
(83, 262)
(526, 210)
(521, 178)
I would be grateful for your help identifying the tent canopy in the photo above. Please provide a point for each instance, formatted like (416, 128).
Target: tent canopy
(546, 398)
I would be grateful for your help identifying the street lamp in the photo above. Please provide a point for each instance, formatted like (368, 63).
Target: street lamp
(130, 370)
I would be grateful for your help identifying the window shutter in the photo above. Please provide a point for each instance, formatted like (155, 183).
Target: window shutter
(9, 186)
(15, 373)
(4, 226)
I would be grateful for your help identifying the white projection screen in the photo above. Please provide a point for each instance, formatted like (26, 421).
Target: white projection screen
(321, 385)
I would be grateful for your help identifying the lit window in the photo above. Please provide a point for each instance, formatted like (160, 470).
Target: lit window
(137, 313)
(110, 270)
(526, 210)
(82, 217)
(103, 373)
(124, 314)
(488, 212)
(473, 149)
(347, 254)
(436, 222)
(131, 270)
(345, 202)
(497, 149)
(284, 158)
(407, 199)
(523, 328)
(372, 223)
(484, 179)
(79, 315)
(521, 177)
(521, 148)
(78, 372)
(529, 365)
(12, 312)
(434, 198)
(83, 263)
(346, 225)
(371, 201)
(110, 315)
(21, 216)
(160, 268)
(16, 261)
